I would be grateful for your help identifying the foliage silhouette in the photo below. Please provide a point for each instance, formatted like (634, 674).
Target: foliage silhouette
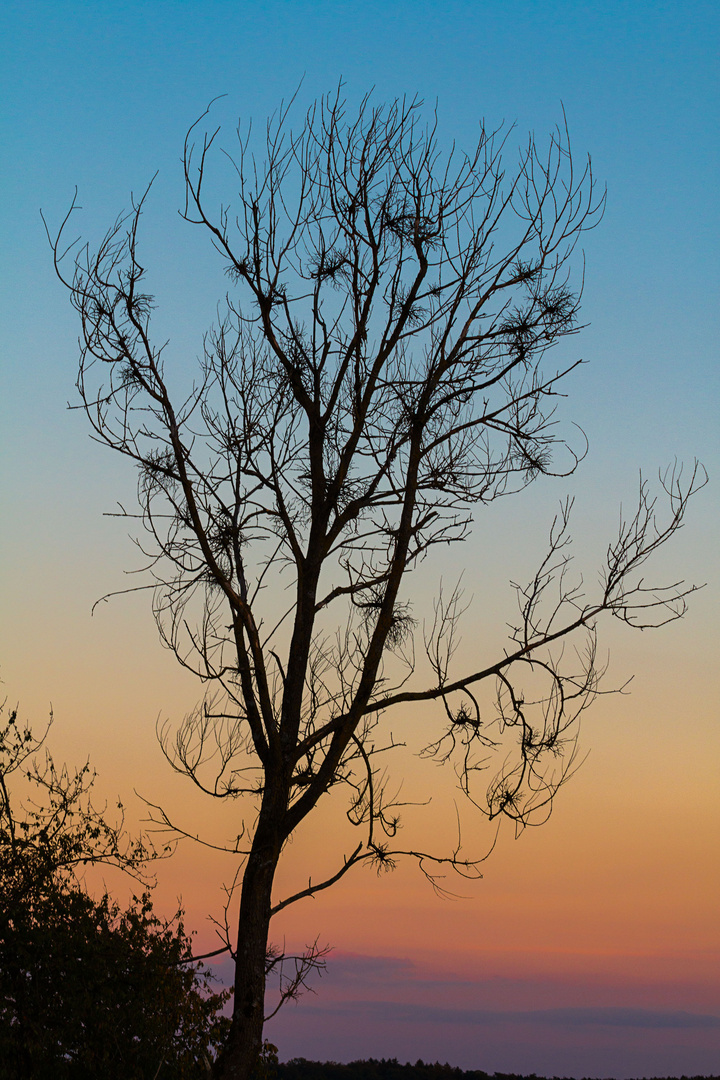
(87, 989)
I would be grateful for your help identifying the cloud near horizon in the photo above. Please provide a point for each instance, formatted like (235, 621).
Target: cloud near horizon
(370, 1006)
(400, 991)
(400, 1012)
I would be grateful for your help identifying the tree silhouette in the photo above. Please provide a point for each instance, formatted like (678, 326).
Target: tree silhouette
(378, 374)
(86, 988)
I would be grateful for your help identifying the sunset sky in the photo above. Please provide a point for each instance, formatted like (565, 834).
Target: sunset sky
(591, 947)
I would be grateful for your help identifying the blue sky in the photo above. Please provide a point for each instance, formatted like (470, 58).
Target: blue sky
(99, 95)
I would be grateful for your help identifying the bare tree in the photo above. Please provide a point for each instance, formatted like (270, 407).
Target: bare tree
(378, 374)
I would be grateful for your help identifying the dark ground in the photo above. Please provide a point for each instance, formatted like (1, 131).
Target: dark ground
(392, 1069)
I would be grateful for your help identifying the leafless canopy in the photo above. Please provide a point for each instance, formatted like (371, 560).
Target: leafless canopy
(380, 371)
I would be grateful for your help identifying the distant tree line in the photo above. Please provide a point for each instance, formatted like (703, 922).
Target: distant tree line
(374, 1069)
(392, 1069)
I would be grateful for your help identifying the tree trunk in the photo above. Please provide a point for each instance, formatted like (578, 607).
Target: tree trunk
(242, 1049)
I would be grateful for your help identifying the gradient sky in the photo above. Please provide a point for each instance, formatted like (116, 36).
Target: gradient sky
(591, 946)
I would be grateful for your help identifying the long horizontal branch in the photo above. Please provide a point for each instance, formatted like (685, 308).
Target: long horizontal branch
(312, 889)
(583, 619)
